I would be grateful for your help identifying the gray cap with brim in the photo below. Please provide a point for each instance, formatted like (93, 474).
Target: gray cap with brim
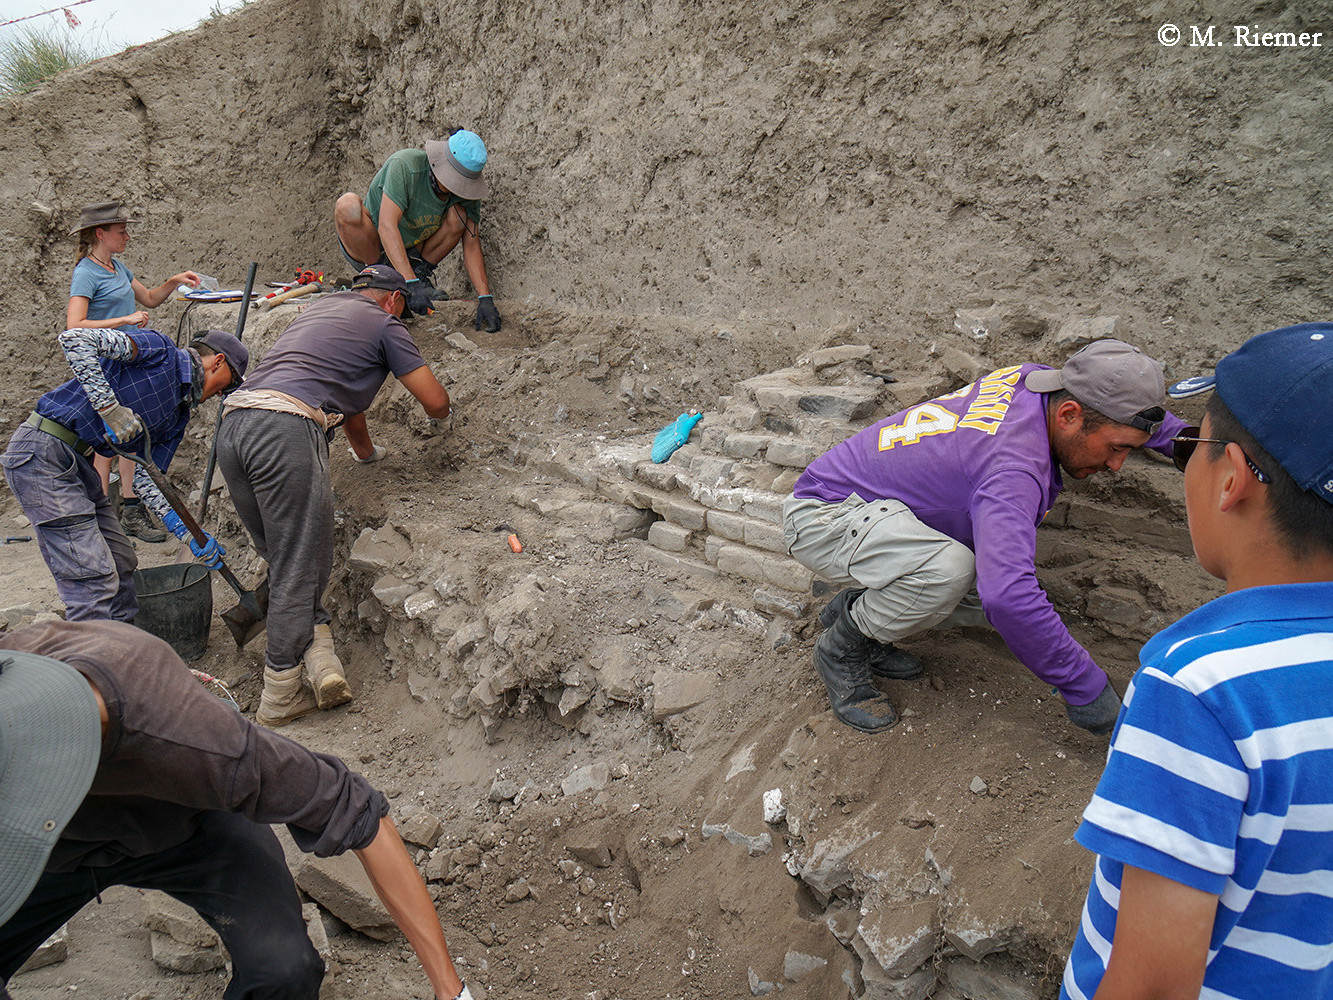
(50, 743)
(1112, 377)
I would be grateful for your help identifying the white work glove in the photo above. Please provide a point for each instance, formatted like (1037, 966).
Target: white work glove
(465, 995)
(122, 424)
(377, 455)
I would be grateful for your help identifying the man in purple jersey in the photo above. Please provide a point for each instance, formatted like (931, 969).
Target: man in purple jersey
(930, 518)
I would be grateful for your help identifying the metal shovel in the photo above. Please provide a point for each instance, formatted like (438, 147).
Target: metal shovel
(246, 620)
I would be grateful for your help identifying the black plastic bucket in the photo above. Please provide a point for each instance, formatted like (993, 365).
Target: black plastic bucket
(176, 604)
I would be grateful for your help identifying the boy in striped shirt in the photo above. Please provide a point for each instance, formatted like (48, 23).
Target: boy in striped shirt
(1213, 821)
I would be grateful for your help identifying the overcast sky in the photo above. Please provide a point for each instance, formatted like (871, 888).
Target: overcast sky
(118, 22)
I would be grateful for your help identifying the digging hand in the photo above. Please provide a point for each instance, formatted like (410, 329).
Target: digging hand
(418, 298)
(210, 553)
(1099, 715)
(487, 314)
(122, 424)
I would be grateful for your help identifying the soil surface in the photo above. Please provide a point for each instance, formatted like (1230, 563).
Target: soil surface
(684, 199)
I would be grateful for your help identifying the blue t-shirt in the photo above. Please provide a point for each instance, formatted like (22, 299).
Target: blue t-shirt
(156, 385)
(109, 295)
(1220, 777)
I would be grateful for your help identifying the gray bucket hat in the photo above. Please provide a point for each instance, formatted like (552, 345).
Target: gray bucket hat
(457, 163)
(50, 743)
(1114, 378)
(104, 213)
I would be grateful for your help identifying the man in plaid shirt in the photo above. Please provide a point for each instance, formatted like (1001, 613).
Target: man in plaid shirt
(124, 384)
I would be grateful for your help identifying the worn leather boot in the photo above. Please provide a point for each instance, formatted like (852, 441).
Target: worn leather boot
(842, 657)
(887, 660)
(137, 521)
(285, 698)
(325, 671)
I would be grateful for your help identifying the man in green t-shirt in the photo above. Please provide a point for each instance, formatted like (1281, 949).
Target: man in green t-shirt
(420, 204)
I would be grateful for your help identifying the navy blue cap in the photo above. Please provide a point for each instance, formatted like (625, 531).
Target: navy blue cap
(1279, 385)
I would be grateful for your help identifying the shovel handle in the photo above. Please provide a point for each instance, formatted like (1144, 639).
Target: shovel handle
(183, 512)
(165, 488)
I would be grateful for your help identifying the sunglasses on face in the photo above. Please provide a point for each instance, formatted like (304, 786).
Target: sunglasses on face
(1184, 443)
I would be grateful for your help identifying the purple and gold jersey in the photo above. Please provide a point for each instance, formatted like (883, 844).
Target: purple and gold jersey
(976, 465)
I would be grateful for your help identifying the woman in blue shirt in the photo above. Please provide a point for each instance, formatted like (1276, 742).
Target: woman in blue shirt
(104, 293)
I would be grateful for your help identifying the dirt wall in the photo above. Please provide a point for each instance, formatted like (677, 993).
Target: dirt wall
(805, 162)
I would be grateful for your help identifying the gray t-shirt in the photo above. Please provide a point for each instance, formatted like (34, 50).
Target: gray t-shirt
(337, 354)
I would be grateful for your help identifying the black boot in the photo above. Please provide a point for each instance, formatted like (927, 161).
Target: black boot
(887, 660)
(842, 659)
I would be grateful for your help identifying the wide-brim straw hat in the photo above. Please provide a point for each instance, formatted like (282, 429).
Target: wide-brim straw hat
(104, 213)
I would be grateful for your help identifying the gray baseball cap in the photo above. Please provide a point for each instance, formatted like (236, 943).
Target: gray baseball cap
(50, 743)
(226, 344)
(1114, 378)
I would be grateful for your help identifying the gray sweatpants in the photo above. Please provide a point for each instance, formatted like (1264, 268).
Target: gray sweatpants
(77, 530)
(915, 578)
(277, 469)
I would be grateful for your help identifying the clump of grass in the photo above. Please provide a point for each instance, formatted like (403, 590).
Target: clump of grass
(33, 55)
(220, 9)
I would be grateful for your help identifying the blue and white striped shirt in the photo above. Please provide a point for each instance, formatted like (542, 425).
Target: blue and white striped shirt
(1220, 777)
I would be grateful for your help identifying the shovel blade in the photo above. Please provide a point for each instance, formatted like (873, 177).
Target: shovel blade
(243, 623)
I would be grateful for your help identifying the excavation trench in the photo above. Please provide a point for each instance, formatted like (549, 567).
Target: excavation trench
(594, 721)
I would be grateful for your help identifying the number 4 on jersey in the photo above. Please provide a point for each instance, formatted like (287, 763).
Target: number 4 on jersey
(918, 422)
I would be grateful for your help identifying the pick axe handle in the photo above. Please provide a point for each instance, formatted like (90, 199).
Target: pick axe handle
(291, 293)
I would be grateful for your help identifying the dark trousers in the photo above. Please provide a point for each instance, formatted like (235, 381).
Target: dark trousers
(277, 471)
(81, 539)
(231, 872)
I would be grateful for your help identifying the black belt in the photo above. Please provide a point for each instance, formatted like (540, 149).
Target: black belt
(60, 431)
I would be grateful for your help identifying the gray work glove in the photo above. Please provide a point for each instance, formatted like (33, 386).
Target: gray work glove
(122, 424)
(487, 315)
(441, 425)
(1099, 715)
(418, 298)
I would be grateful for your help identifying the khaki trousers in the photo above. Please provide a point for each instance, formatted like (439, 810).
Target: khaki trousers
(915, 578)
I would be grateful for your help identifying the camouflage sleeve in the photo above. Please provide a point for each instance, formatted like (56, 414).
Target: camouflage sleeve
(82, 350)
(153, 498)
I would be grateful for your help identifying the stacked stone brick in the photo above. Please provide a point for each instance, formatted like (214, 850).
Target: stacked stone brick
(717, 502)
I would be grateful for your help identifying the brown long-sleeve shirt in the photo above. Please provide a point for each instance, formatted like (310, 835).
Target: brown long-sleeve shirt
(172, 751)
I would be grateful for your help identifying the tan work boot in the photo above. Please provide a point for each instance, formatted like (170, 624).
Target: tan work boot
(325, 671)
(285, 698)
